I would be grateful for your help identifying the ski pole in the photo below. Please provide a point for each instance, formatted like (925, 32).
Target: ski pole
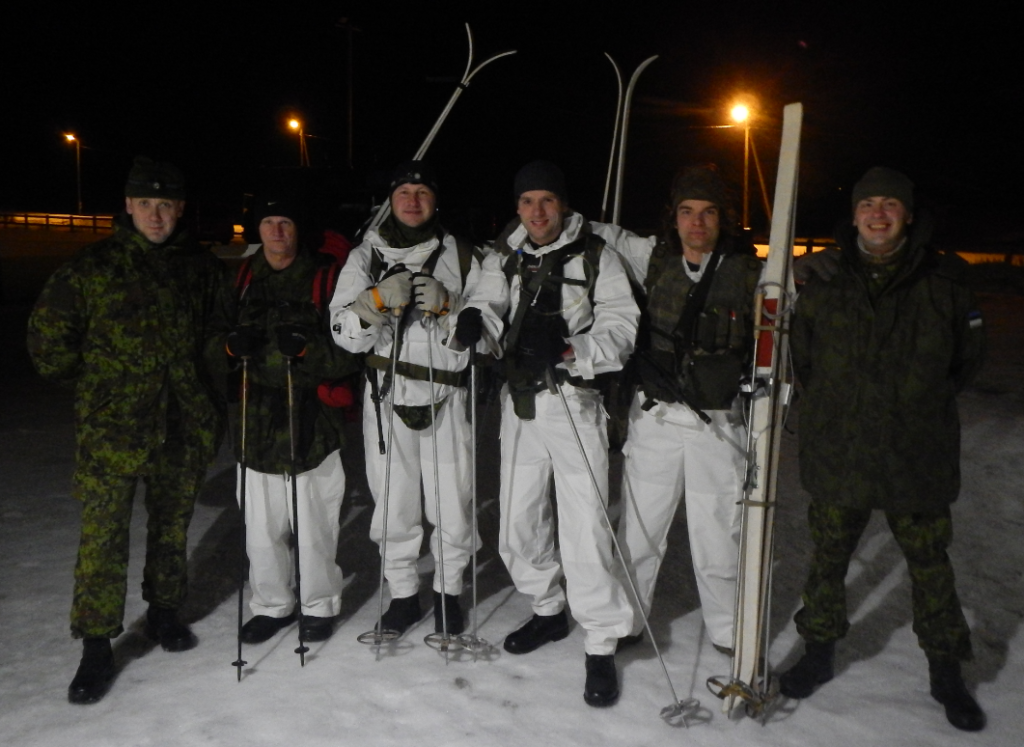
(378, 635)
(444, 642)
(302, 648)
(678, 711)
(473, 641)
(243, 472)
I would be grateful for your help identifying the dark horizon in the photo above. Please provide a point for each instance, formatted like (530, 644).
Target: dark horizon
(929, 95)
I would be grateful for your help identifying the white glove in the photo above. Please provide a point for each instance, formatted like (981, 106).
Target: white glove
(394, 291)
(365, 307)
(428, 295)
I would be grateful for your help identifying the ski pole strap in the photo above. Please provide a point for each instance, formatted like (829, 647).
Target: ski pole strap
(417, 372)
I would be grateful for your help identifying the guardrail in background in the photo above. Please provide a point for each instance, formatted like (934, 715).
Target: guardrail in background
(58, 221)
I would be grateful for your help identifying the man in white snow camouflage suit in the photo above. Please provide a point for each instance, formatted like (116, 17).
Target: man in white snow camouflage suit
(413, 285)
(699, 280)
(573, 318)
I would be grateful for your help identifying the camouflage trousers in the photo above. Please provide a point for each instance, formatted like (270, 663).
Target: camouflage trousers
(938, 619)
(101, 573)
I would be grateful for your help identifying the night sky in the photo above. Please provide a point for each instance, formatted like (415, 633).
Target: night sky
(210, 87)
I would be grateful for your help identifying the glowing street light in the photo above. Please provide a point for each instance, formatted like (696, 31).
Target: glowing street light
(78, 166)
(741, 115)
(296, 125)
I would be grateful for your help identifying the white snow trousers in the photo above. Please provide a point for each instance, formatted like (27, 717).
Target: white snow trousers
(268, 526)
(412, 463)
(670, 453)
(531, 450)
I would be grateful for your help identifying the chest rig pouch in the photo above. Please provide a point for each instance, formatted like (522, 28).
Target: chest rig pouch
(537, 332)
(695, 353)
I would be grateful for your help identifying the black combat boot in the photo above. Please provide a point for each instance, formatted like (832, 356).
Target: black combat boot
(452, 611)
(538, 631)
(316, 629)
(95, 672)
(402, 614)
(948, 688)
(263, 627)
(816, 667)
(602, 687)
(162, 625)
(630, 640)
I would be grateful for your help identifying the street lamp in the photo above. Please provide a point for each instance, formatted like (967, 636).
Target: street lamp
(741, 115)
(296, 125)
(78, 166)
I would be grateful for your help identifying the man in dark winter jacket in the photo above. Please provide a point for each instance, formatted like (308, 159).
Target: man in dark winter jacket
(271, 324)
(882, 349)
(124, 324)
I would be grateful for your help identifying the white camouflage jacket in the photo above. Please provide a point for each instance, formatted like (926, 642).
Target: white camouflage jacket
(485, 289)
(601, 334)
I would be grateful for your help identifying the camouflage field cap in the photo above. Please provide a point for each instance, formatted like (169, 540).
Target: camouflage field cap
(700, 183)
(149, 178)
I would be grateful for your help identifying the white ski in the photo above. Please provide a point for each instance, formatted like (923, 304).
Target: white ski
(467, 76)
(750, 683)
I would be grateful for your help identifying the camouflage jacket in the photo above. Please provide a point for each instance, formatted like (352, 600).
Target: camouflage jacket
(269, 299)
(880, 373)
(124, 323)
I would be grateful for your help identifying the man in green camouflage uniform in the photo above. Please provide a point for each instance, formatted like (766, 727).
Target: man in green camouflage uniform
(271, 320)
(882, 348)
(124, 324)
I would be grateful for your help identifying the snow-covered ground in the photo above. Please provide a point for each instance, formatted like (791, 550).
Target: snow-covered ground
(410, 696)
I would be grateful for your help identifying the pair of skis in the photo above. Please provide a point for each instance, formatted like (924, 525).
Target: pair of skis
(750, 683)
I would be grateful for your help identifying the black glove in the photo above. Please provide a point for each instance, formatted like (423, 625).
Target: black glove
(540, 345)
(245, 341)
(291, 340)
(429, 295)
(469, 327)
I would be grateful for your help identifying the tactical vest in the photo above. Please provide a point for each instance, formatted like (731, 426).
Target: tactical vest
(417, 417)
(700, 338)
(539, 313)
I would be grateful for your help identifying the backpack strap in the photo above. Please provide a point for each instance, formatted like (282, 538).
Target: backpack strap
(243, 278)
